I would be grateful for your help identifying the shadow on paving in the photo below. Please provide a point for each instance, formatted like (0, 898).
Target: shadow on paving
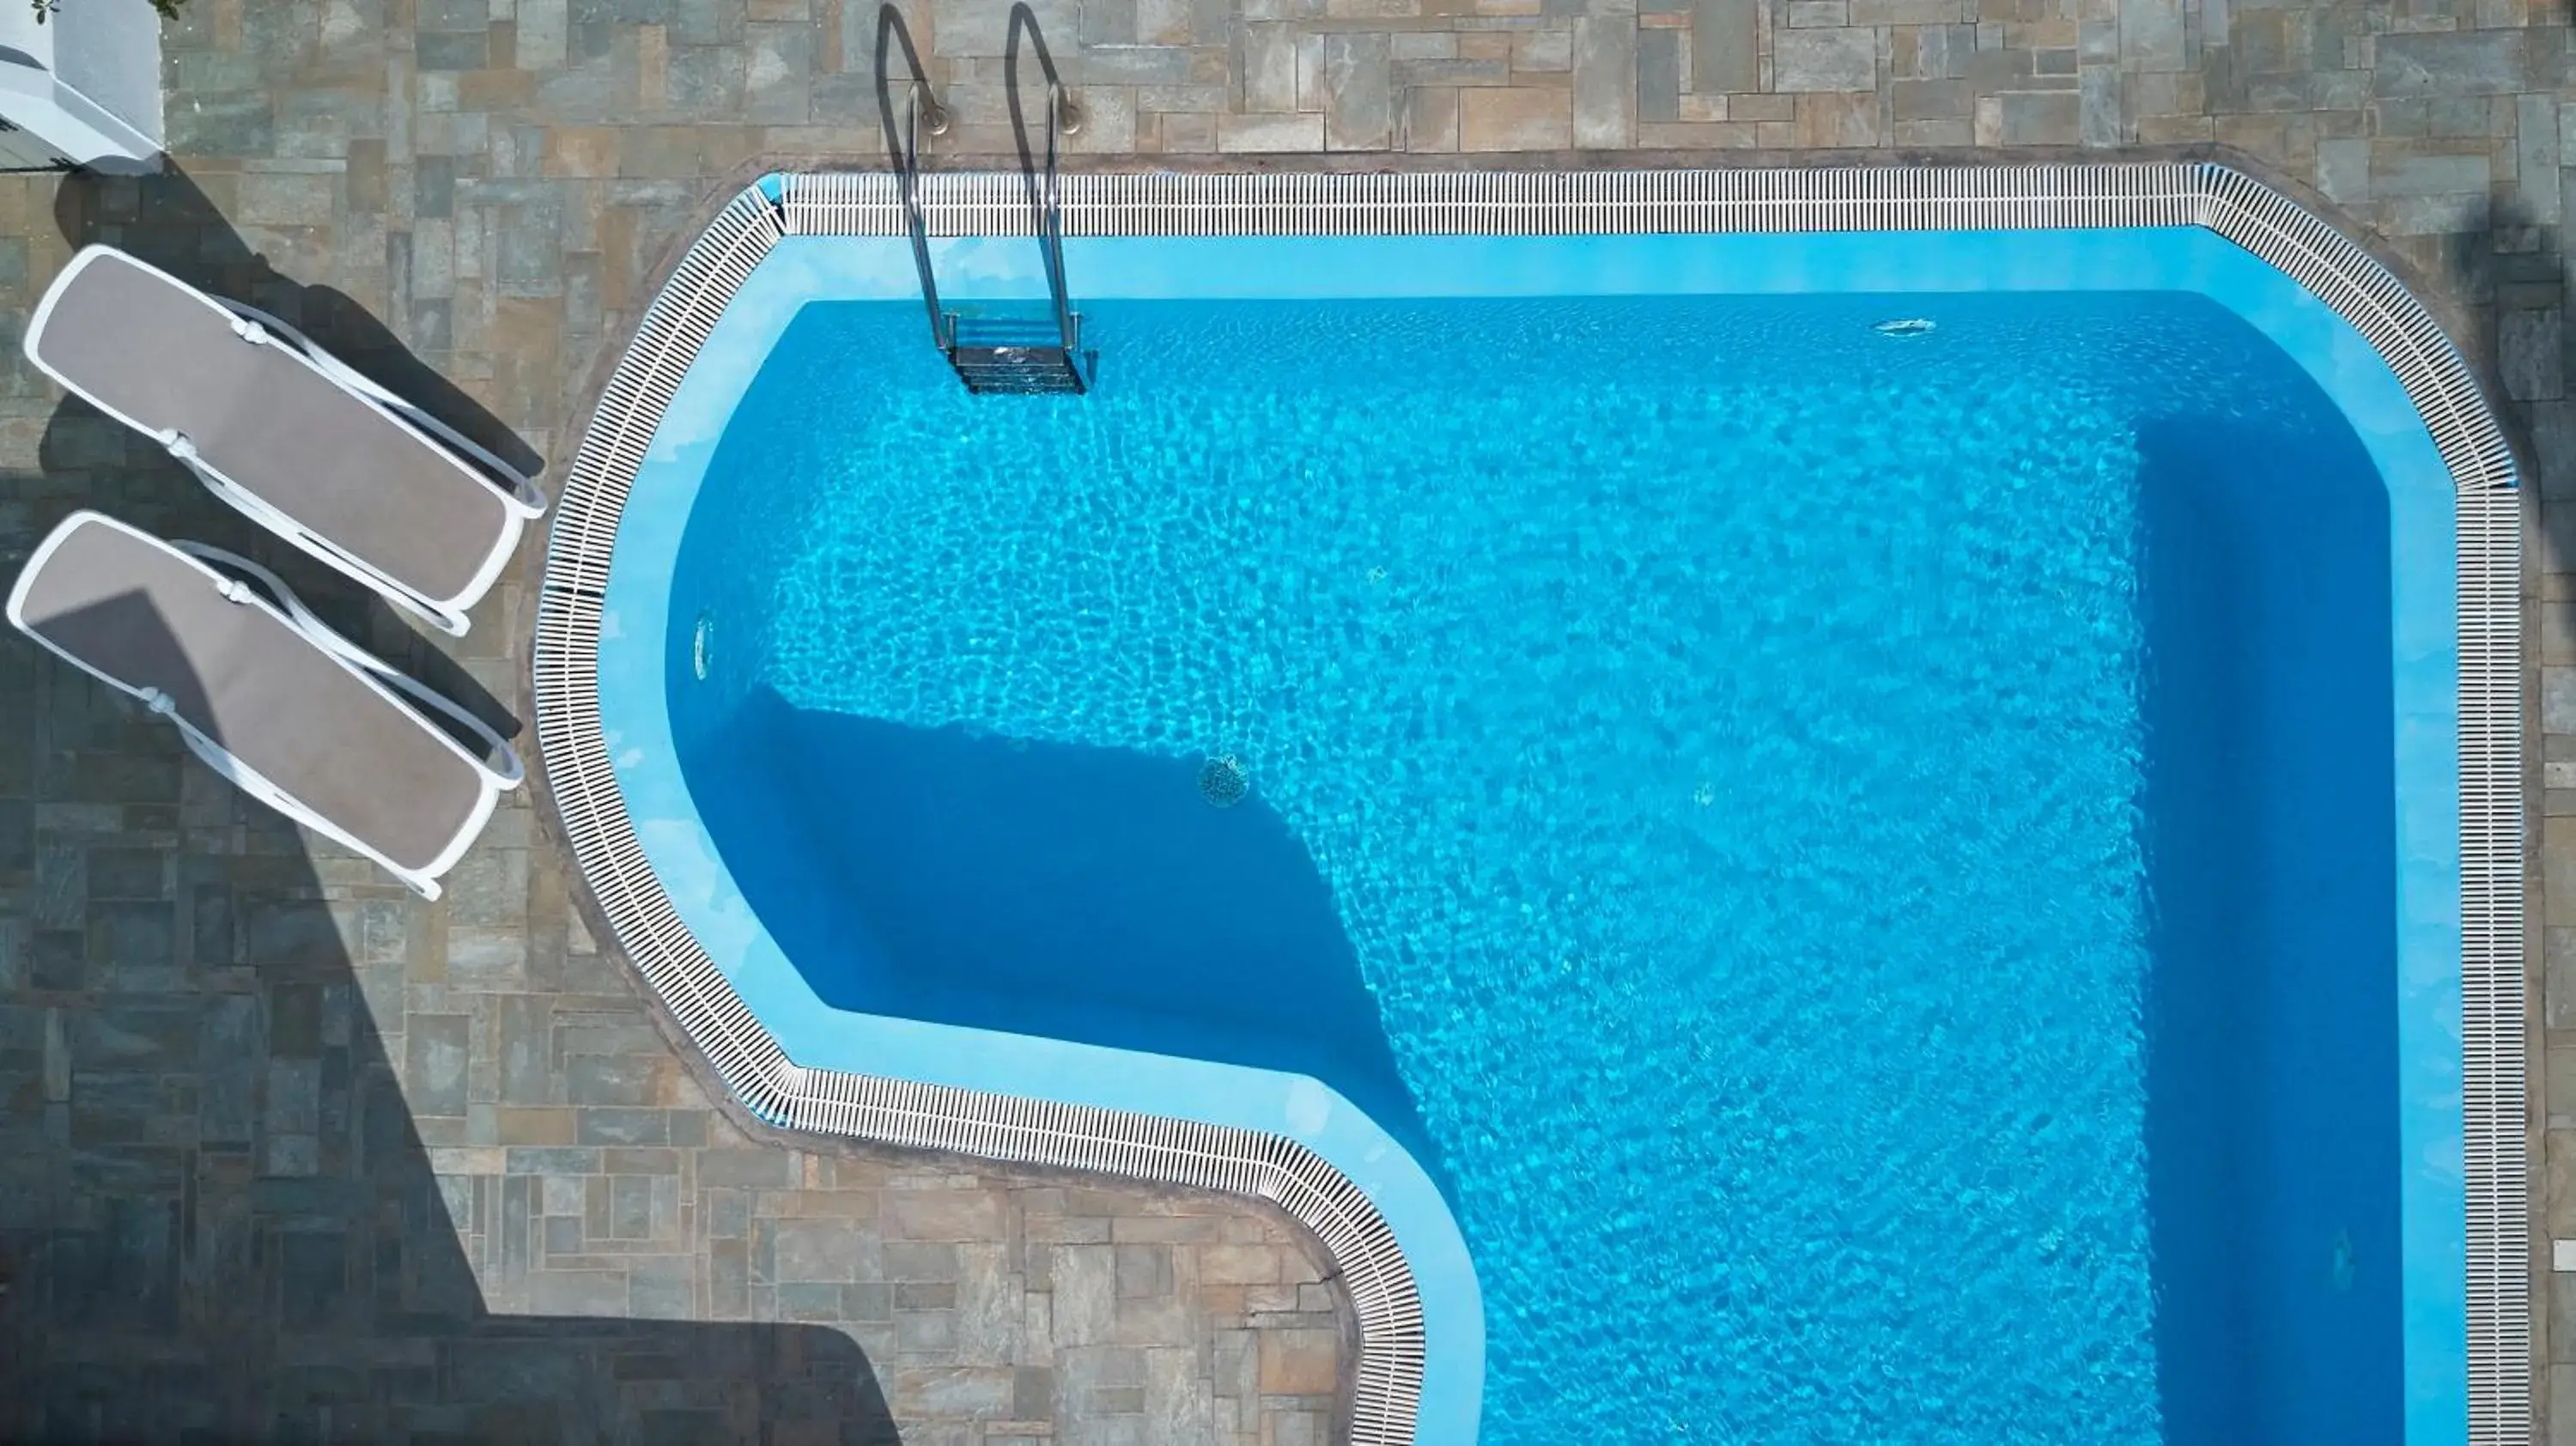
(218, 1220)
(2507, 279)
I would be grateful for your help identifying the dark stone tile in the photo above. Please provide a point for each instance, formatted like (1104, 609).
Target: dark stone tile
(506, 1371)
(625, 12)
(122, 1276)
(1723, 54)
(551, 1160)
(613, 1125)
(745, 1167)
(518, 1210)
(222, 125)
(125, 777)
(17, 836)
(434, 1049)
(531, 264)
(137, 942)
(119, 873)
(591, 42)
(648, 1366)
(630, 1207)
(384, 931)
(1109, 22)
(230, 1055)
(525, 1045)
(62, 884)
(434, 188)
(940, 1295)
(681, 1428)
(433, 325)
(453, 16)
(210, 926)
(292, 1101)
(295, 1020)
(1659, 75)
(707, 81)
(313, 1274)
(2449, 65)
(709, 22)
(291, 934)
(470, 51)
(808, 1301)
(57, 959)
(611, 1079)
(154, 1035)
(1033, 1393)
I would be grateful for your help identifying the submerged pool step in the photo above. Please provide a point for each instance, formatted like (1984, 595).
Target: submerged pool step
(1019, 355)
(1018, 369)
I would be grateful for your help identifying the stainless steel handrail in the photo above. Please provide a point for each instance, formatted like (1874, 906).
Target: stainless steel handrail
(908, 174)
(1051, 216)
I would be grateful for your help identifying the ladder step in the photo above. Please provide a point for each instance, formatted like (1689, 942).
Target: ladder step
(1048, 368)
(994, 332)
(1016, 354)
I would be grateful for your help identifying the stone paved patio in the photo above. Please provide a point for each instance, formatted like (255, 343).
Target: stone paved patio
(284, 1152)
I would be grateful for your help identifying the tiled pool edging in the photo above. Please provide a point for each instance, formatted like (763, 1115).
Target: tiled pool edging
(1386, 1303)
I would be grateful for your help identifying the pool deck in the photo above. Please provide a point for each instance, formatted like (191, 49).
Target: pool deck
(284, 1151)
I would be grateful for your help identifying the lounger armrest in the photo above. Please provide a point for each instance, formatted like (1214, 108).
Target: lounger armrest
(508, 774)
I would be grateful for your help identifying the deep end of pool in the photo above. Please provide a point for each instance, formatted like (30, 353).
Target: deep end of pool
(2307, 1247)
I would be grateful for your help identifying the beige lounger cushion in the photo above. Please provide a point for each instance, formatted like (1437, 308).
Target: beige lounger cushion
(161, 354)
(141, 612)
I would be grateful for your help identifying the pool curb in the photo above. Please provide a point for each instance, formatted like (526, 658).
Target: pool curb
(1370, 1264)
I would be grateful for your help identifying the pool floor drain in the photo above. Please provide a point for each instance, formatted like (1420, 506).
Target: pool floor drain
(1223, 781)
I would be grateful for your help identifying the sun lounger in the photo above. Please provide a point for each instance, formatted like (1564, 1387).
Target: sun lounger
(270, 697)
(284, 431)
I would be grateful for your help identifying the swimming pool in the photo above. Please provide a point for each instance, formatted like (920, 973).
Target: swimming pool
(1806, 869)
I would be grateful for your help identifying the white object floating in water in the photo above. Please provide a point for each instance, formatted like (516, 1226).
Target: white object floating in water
(1908, 326)
(701, 645)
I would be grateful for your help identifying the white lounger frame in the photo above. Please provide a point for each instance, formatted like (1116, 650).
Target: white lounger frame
(245, 589)
(522, 501)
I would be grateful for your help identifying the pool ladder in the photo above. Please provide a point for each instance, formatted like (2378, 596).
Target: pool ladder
(1005, 354)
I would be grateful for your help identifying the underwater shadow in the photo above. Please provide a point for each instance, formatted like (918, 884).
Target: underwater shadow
(2271, 1012)
(1076, 893)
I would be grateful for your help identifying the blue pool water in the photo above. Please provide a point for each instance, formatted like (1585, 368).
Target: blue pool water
(1839, 852)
